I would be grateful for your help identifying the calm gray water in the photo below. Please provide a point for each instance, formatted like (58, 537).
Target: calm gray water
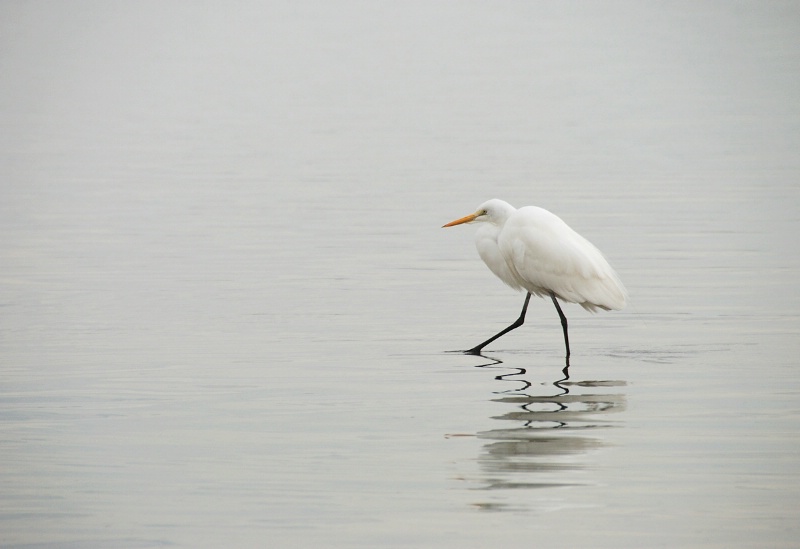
(226, 300)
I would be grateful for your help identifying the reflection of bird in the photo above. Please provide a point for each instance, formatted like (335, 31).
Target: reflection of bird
(534, 250)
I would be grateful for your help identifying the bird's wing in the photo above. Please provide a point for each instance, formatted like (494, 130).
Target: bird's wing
(549, 256)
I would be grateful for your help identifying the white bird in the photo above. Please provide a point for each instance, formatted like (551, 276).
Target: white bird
(534, 250)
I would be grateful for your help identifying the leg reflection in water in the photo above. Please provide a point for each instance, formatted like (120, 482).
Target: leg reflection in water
(550, 429)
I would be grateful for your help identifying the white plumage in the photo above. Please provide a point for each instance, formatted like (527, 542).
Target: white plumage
(534, 250)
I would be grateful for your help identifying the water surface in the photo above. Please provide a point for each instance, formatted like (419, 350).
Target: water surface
(227, 303)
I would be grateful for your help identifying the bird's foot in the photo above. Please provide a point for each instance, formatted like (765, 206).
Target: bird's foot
(473, 351)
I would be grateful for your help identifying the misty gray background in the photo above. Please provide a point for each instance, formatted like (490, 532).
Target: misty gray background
(226, 300)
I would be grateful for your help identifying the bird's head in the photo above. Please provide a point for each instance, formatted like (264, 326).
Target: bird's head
(494, 211)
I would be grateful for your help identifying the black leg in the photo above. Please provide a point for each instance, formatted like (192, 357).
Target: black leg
(563, 324)
(519, 322)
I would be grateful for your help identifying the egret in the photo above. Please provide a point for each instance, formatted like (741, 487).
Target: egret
(534, 250)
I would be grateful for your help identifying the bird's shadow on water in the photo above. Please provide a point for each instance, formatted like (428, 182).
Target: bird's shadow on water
(550, 429)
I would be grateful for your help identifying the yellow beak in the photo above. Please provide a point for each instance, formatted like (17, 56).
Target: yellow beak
(465, 219)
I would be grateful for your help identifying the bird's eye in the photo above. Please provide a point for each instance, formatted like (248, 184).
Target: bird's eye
(484, 212)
